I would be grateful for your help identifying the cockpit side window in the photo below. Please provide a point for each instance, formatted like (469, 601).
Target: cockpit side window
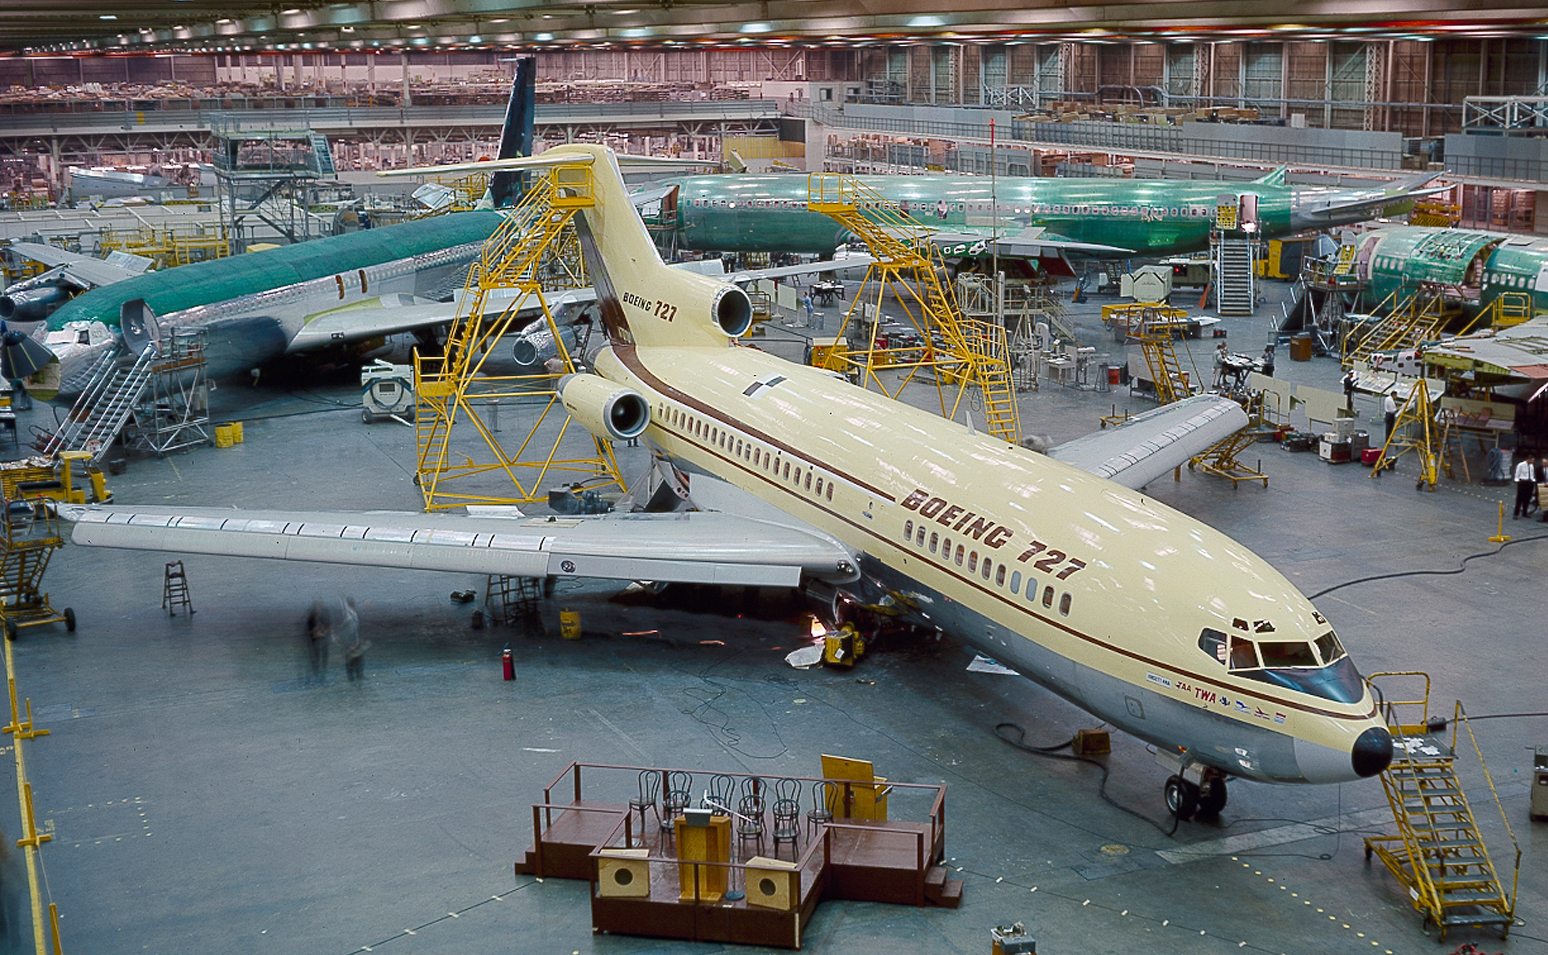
(1329, 647)
(1243, 656)
(1213, 642)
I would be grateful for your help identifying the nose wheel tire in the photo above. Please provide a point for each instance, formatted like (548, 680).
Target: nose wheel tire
(1212, 797)
(1182, 797)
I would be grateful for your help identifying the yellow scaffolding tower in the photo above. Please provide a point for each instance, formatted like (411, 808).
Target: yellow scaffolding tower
(527, 253)
(908, 271)
(466, 191)
(1438, 853)
(1418, 429)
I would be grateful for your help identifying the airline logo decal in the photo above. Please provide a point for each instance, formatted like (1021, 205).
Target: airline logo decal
(1211, 698)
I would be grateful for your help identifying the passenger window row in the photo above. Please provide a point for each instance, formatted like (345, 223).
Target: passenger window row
(927, 539)
(800, 476)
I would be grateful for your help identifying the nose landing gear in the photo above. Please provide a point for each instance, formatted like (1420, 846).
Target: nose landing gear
(1204, 799)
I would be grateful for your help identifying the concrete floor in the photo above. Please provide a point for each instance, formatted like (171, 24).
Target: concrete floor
(205, 794)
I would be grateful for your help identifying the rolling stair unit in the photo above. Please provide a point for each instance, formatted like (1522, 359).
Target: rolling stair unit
(1438, 854)
(1172, 382)
(1410, 317)
(104, 406)
(907, 271)
(1236, 280)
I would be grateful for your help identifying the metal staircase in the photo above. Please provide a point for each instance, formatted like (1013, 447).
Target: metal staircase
(908, 272)
(1236, 281)
(1410, 317)
(1438, 854)
(322, 156)
(1172, 381)
(104, 406)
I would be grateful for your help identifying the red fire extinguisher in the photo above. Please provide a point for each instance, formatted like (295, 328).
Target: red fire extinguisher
(507, 664)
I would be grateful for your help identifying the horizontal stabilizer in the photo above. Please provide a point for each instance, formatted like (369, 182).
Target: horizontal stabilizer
(83, 270)
(1146, 447)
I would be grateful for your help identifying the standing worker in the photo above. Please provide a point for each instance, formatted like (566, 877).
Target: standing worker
(1268, 361)
(349, 636)
(1389, 413)
(1526, 487)
(1349, 388)
(1220, 365)
(317, 635)
(807, 301)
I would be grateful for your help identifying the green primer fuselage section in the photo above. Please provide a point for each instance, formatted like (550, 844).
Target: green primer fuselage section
(220, 280)
(1401, 258)
(767, 213)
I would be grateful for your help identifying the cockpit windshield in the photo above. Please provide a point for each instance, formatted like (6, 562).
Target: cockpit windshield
(1320, 668)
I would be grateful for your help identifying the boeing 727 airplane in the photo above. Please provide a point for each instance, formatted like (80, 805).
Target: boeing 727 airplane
(1054, 565)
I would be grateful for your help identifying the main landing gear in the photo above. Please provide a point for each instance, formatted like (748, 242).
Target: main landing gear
(1203, 799)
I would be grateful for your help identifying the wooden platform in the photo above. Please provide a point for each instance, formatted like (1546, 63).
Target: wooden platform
(894, 861)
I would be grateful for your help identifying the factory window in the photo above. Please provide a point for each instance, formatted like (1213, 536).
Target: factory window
(959, 555)
(1064, 604)
(1048, 596)
(908, 530)
(972, 561)
(1015, 581)
(934, 539)
(919, 541)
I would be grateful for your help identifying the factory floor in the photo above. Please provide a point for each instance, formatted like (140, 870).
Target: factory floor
(205, 791)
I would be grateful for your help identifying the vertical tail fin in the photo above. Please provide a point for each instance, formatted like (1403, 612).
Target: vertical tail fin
(517, 133)
(643, 301)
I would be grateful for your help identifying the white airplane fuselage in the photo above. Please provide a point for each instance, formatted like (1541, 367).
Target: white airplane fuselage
(1095, 591)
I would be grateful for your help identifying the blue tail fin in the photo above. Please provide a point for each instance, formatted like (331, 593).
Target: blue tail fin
(516, 135)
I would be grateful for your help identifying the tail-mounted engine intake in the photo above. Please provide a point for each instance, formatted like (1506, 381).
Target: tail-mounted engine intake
(603, 407)
(733, 311)
(33, 304)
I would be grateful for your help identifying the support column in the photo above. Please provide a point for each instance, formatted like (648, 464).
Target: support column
(408, 98)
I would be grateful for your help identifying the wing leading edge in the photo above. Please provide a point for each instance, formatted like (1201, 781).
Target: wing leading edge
(693, 547)
(1149, 445)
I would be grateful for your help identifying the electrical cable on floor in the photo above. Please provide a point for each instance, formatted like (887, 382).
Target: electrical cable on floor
(1052, 752)
(1427, 573)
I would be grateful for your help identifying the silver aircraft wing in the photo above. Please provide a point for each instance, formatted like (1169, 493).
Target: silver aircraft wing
(1031, 243)
(680, 547)
(83, 270)
(1149, 445)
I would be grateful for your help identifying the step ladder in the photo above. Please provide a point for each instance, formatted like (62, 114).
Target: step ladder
(1438, 854)
(512, 598)
(174, 589)
(104, 406)
(1236, 280)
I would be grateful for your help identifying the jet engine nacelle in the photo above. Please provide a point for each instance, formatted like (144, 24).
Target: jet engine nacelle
(732, 311)
(603, 407)
(33, 304)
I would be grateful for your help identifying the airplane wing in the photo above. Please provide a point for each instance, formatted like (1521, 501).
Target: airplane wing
(807, 268)
(1147, 446)
(1033, 243)
(391, 314)
(680, 547)
(83, 270)
(1374, 200)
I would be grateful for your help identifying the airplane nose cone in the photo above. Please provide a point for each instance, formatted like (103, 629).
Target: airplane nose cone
(1372, 751)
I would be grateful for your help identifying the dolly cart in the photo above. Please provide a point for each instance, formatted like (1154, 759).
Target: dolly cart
(31, 536)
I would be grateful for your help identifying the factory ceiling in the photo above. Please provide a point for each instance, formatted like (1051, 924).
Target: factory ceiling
(211, 26)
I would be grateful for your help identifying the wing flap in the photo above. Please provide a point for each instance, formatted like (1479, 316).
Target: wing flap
(1149, 445)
